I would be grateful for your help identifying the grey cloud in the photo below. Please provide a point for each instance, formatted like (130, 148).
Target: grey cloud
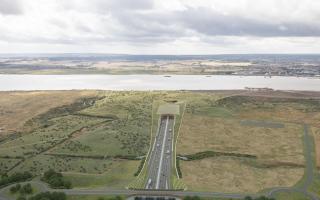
(211, 23)
(10, 7)
(107, 6)
(204, 21)
(140, 21)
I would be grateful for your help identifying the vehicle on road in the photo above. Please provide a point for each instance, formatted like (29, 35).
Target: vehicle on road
(149, 183)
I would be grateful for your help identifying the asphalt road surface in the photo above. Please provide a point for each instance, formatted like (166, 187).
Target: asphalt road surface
(160, 162)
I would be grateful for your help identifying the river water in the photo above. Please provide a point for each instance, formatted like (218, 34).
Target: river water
(154, 82)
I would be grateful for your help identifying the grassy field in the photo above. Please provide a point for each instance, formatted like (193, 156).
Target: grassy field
(35, 189)
(16, 108)
(202, 133)
(224, 174)
(118, 175)
(96, 138)
(269, 129)
(291, 196)
(316, 133)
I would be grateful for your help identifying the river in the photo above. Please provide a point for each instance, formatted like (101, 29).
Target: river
(153, 82)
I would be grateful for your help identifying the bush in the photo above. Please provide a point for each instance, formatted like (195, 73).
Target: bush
(192, 198)
(55, 180)
(16, 177)
(26, 189)
(178, 167)
(112, 198)
(208, 154)
(49, 196)
(15, 189)
(140, 167)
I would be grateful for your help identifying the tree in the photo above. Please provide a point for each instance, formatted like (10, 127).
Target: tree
(15, 188)
(16, 177)
(55, 180)
(49, 196)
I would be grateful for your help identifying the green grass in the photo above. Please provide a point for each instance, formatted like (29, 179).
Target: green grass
(65, 138)
(117, 125)
(7, 163)
(44, 138)
(291, 196)
(35, 189)
(118, 175)
(214, 111)
(127, 134)
(42, 163)
(315, 186)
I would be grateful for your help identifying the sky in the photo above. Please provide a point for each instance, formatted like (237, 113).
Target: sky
(160, 26)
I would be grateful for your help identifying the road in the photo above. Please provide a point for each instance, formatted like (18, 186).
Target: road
(108, 191)
(160, 162)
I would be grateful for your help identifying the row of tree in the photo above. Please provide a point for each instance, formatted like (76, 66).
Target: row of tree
(14, 178)
(46, 196)
(25, 189)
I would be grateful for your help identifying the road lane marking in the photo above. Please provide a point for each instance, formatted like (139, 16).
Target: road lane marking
(162, 151)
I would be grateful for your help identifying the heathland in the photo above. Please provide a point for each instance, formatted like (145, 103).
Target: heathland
(242, 141)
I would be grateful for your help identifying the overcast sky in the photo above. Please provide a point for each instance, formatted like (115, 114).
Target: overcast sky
(160, 26)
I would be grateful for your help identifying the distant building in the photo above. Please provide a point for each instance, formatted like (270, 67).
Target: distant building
(259, 89)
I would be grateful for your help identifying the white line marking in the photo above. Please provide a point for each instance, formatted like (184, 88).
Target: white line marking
(162, 151)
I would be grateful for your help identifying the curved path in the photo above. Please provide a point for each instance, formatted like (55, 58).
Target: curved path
(308, 177)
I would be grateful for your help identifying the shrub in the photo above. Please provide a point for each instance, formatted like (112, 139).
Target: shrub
(49, 196)
(140, 167)
(55, 180)
(26, 189)
(15, 189)
(16, 177)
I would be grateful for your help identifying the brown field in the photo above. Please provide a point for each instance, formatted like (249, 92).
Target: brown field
(18, 107)
(201, 133)
(209, 126)
(232, 175)
(285, 113)
(316, 134)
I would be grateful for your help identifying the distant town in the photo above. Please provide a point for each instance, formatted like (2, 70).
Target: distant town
(243, 65)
